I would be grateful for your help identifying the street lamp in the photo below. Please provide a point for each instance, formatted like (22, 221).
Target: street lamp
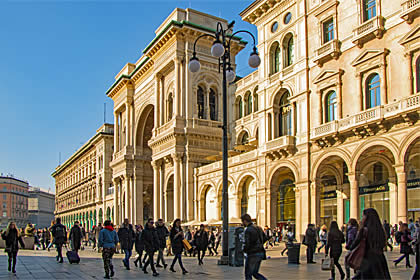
(221, 50)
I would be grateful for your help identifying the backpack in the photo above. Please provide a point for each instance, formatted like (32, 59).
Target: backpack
(59, 233)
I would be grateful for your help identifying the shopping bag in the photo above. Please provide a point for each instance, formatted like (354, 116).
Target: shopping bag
(327, 264)
(187, 244)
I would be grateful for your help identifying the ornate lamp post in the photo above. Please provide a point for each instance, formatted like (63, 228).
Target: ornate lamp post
(221, 50)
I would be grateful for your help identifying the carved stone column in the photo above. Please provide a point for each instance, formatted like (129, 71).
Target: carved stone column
(177, 185)
(157, 96)
(156, 193)
(402, 193)
(360, 100)
(116, 210)
(340, 207)
(384, 87)
(393, 200)
(354, 196)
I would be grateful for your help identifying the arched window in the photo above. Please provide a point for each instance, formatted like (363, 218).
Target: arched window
(275, 58)
(239, 107)
(249, 103)
(244, 138)
(373, 91)
(200, 102)
(170, 107)
(255, 102)
(285, 116)
(331, 106)
(288, 47)
(369, 9)
(418, 74)
(212, 103)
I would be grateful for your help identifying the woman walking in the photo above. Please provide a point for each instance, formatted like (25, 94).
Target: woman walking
(212, 243)
(351, 233)
(323, 237)
(107, 240)
(404, 238)
(12, 238)
(139, 246)
(374, 265)
(334, 247)
(201, 240)
(176, 236)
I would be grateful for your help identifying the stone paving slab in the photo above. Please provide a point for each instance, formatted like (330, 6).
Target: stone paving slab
(42, 265)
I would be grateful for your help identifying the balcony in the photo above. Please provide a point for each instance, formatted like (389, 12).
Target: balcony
(368, 30)
(280, 147)
(329, 50)
(410, 10)
(126, 150)
(367, 122)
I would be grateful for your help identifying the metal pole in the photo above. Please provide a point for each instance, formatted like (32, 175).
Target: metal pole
(225, 211)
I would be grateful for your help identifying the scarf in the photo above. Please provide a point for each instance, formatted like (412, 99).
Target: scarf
(110, 228)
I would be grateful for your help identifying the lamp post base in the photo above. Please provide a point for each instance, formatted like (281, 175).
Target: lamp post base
(224, 260)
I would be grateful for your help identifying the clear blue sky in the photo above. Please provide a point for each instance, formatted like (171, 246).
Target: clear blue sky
(58, 58)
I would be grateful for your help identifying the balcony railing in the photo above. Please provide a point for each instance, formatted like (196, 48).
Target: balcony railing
(371, 28)
(410, 9)
(280, 142)
(247, 80)
(390, 110)
(327, 51)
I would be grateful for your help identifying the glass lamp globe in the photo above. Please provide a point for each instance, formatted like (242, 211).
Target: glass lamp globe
(217, 50)
(230, 75)
(194, 65)
(254, 60)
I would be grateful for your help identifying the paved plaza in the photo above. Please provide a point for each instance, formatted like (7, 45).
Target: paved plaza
(42, 265)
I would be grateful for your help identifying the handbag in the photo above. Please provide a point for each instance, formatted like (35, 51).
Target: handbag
(187, 244)
(355, 257)
(327, 264)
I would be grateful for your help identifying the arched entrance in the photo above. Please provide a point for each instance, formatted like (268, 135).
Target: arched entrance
(108, 214)
(375, 174)
(169, 199)
(283, 200)
(209, 205)
(247, 194)
(412, 169)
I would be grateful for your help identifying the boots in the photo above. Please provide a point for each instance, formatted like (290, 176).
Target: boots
(332, 274)
(112, 271)
(10, 265)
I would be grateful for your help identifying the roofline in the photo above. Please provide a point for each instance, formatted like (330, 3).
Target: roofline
(247, 9)
(78, 152)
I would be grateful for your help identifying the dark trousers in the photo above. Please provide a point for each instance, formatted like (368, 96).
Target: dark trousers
(179, 258)
(340, 269)
(126, 259)
(160, 257)
(200, 255)
(150, 261)
(212, 251)
(310, 250)
(12, 260)
(107, 254)
(252, 266)
(138, 260)
(59, 251)
(407, 259)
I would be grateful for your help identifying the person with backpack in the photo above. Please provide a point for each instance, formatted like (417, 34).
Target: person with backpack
(108, 239)
(75, 237)
(253, 248)
(59, 234)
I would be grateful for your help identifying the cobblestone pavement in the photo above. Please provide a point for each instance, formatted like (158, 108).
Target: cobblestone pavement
(42, 265)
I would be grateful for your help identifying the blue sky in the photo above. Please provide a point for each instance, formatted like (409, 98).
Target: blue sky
(58, 58)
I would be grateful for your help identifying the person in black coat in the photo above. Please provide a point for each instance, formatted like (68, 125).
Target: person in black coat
(139, 246)
(374, 264)
(59, 233)
(75, 237)
(12, 238)
(127, 236)
(162, 233)
(310, 241)
(177, 235)
(387, 229)
(212, 244)
(201, 241)
(151, 245)
(404, 238)
(334, 247)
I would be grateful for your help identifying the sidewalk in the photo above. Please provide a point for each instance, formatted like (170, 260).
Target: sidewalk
(42, 265)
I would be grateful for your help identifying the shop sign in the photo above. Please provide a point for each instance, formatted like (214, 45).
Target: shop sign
(413, 183)
(329, 195)
(374, 189)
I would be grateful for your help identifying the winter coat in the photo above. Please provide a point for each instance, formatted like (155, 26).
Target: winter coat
(12, 240)
(127, 236)
(75, 237)
(139, 245)
(150, 239)
(176, 242)
(107, 238)
(310, 237)
(212, 240)
(334, 244)
(406, 238)
(374, 264)
(58, 231)
(351, 234)
(162, 233)
(254, 240)
(201, 239)
(387, 229)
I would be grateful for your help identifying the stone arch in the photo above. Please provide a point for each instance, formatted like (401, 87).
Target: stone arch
(204, 207)
(278, 92)
(337, 152)
(246, 194)
(406, 144)
(219, 184)
(141, 124)
(241, 135)
(207, 78)
(288, 164)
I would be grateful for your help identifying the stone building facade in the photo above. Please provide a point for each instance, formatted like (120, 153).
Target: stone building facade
(13, 201)
(41, 207)
(84, 189)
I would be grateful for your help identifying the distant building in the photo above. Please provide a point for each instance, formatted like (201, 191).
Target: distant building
(13, 201)
(41, 206)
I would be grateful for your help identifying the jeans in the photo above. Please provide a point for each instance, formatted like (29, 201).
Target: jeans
(252, 266)
(179, 258)
(407, 259)
(323, 243)
(127, 253)
(160, 257)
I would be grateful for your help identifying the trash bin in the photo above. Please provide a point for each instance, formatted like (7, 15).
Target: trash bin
(236, 254)
(293, 252)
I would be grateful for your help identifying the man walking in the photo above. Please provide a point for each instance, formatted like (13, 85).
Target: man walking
(253, 248)
(151, 245)
(162, 233)
(387, 229)
(58, 231)
(107, 240)
(310, 241)
(127, 236)
(75, 237)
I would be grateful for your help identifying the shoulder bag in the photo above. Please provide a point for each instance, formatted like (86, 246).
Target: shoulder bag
(355, 257)
(327, 264)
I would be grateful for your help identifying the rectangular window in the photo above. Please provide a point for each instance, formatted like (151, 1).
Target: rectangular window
(369, 9)
(4, 214)
(328, 27)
